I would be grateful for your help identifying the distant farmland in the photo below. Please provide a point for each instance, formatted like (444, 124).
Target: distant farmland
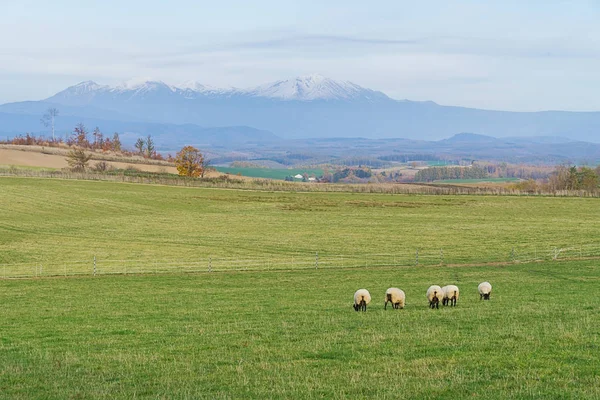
(481, 180)
(270, 173)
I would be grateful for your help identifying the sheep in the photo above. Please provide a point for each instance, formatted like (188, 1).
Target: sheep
(450, 295)
(396, 297)
(434, 294)
(362, 297)
(485, 290)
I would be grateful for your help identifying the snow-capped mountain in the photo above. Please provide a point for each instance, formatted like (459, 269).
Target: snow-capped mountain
(309, 106)
(313, 87)
(304, 88)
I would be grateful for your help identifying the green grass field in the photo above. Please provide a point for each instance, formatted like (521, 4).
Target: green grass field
(271, 173)
(292, 333)
(482, 180)
(54, 222)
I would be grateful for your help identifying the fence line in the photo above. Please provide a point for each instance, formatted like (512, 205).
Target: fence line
(421, 257)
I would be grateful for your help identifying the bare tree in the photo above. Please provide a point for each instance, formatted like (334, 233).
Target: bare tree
(206, 165)
(149, 147)
(48, 119)
(139, 145)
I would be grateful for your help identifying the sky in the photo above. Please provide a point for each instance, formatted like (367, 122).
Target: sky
(505, 55)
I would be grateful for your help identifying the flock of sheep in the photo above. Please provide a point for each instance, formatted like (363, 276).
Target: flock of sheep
(448, 295)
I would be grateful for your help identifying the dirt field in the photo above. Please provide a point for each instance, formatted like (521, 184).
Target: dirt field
(40, 160)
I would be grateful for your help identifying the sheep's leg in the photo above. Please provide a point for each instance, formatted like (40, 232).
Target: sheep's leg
(385, 306)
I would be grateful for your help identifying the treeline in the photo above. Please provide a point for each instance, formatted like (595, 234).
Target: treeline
(359, 175)
(405, 158)
(95, 141)
(504, 170)
(564, 178)
(443, 173)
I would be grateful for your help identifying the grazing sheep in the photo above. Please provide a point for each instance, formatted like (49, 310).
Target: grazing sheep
(485, 290)
(362, 297)
(434, 295)
(396, 297)
(450, 295)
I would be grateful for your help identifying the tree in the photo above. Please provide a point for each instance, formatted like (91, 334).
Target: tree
(206, 166)
(139, 145)
(80, 136)
(150, 149)
(190, 162)
(78, 160)
(48, 119)
(116, 142)
(98, 138)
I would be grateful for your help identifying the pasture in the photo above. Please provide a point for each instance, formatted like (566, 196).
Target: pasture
(50, 222)
(291, 332)
(294, 335)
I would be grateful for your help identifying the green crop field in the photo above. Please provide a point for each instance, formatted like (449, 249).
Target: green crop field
(271, 173)
(482, 180)
(286, 329)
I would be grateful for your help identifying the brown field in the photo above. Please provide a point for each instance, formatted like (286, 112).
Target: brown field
(38, 157)
(40, 160)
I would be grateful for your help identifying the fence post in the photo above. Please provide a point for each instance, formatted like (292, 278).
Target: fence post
(317, 260)
(417, 257)
(94, 265)
(209, 264)
(512, 255)
(555, 253)
(441, 256)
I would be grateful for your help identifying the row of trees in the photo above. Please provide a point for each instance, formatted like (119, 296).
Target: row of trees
(443, 173)
(189, 161)
(95, 141)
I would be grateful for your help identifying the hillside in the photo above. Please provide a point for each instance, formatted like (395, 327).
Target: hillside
(305, 107)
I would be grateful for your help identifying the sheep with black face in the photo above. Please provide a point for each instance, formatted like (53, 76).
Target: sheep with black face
(485, 290)
(434, 295)
(396, 297)
(362, 297)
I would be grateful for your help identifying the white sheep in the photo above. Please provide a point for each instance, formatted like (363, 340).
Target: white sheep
(434, 295)
(485, 290)
(396, 297)
(362, 297)
(450, 295)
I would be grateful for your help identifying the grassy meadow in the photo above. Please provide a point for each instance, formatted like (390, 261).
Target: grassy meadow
(290, 332)
(57, 223)
(294, 335)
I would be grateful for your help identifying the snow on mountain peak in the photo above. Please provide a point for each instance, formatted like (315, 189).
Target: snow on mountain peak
(84, 88)
(310, 87)
(143, 84)
(302, 88)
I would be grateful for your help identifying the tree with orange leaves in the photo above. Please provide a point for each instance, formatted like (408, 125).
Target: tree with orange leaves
(190, 162)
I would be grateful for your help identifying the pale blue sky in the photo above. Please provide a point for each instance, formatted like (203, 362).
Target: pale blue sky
(496, 55)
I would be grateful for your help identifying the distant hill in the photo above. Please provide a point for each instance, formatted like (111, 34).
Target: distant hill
(305, 107)
(166, 136)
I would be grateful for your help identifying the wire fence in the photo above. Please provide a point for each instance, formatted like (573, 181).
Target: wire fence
(298, 261)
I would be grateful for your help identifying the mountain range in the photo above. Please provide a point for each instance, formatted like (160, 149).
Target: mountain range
(305, 107)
